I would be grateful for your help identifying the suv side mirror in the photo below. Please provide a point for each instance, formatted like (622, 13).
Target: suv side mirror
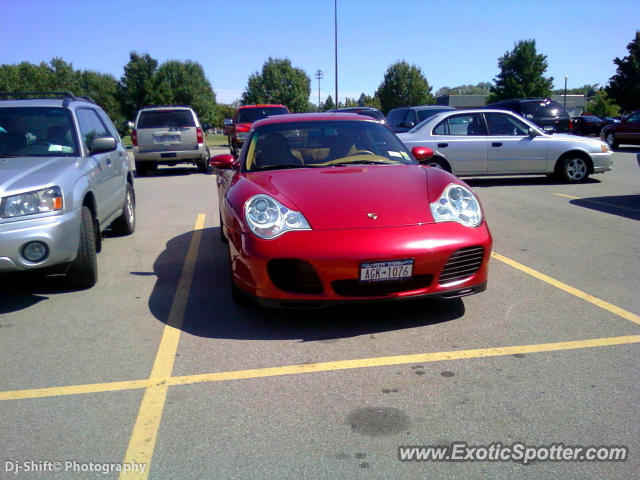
(228, 122)
(102, 145)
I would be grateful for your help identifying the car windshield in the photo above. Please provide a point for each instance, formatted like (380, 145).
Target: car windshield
(543, 109)
(250, 115)
(37, 131)
(323, 144)
(166, 119)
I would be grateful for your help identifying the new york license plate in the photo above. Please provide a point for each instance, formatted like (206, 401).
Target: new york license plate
(385, 271)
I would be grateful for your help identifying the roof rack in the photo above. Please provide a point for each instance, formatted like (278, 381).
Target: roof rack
(62, 94)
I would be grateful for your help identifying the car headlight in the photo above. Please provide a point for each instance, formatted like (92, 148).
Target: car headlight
(31, 203)
(457, 204)
(267, 218)
(604, 147)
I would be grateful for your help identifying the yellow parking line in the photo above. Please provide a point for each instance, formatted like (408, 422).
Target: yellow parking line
(634, 210)
(163, 383)
(632, 317)
(400, 360)
(73, 390)
(145, 430)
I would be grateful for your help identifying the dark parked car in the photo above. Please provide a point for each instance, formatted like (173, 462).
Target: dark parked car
(627, 131)
(587, 125)
(368, 111)
(403, 119)
(547, 114)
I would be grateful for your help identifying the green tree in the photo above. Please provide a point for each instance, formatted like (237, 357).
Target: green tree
(403, 84)
(521, 74)
(279, 82)
(138, 85)
(328, 104)
(223, 111)
(184, 83)
(602, 106)
(624, 86)
(103, 89)
(367, 101)
(482, 88)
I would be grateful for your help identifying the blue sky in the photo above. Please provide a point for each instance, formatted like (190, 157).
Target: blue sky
(453, 42)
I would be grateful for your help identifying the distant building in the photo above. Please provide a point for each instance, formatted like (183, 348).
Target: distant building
(574, 103)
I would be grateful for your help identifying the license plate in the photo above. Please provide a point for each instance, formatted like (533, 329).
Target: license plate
(385, 271)
(166, 139)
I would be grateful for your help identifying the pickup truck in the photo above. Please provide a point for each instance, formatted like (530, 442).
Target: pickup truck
(238, 128)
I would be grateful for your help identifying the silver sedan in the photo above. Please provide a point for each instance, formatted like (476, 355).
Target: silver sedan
(498, 142)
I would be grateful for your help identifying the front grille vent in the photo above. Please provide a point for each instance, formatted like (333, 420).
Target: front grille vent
(293, 275)
(462, 264)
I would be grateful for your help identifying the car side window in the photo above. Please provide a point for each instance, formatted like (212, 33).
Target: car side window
(113, 131)
(396, 117)
(505, 125)
(90, 126)
(635, 118)
(462, 125)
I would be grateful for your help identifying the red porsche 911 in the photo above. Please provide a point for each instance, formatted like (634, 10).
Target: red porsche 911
(328, 208)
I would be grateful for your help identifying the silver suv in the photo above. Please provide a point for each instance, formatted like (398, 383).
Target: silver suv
(64, 178)
(168, 135)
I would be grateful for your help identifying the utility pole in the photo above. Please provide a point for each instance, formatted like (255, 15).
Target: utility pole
(335, 21)
(565, 91)
(319, 74)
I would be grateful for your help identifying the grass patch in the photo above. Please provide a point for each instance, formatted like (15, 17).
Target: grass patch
(212, 141)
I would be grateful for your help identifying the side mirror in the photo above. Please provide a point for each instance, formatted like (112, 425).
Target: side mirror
(227, 122)
(422, 153)
(533, 132)
(102, 144)
(223, 161)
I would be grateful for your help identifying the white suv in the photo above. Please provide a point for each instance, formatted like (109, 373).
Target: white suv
(168, 135)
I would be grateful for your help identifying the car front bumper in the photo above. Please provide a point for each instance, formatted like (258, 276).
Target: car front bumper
(336, 257)
(61, 234)
(602, 162)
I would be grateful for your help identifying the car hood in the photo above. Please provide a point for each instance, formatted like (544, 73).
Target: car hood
(23, 173)
(370, 196)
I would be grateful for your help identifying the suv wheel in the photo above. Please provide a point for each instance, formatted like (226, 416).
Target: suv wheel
(611, 140)
(83, 272)
(125, 224)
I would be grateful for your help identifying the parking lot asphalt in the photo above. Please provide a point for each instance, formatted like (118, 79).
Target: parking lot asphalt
(156, 364)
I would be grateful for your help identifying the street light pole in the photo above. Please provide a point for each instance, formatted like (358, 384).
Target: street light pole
(565, 92)
(319, 74)
(335, 22)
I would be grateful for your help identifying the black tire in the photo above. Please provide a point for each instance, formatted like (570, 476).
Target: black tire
(610, 138)
(223, 239)
(125, 224)
(141, 169)
(574, 169)
(203, 165)
(83, 271)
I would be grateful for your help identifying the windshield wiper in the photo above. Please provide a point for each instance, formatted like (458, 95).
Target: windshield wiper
(364, 162)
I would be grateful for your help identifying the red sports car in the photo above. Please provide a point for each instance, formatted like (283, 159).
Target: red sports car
(328, 208)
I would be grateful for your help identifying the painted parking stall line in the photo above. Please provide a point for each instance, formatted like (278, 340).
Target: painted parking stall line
(145, 430)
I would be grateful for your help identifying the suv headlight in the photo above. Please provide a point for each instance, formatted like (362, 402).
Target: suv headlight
(457, 204)
(31, 203)
(267, 218)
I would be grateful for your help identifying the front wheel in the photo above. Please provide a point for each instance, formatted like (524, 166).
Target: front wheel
(125, 224)
(435, 163)
(574, 170)
(611, 140)
(83, 272)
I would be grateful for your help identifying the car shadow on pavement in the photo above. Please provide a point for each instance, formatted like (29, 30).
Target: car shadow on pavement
(23, 290)
(476, 182)
(627, 206)
(627, 149)
(212, 313)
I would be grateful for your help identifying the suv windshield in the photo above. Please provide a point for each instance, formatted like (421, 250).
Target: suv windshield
(37, 131)
(543, 109)
(250, 115)
(166, 118)
(322, 144)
